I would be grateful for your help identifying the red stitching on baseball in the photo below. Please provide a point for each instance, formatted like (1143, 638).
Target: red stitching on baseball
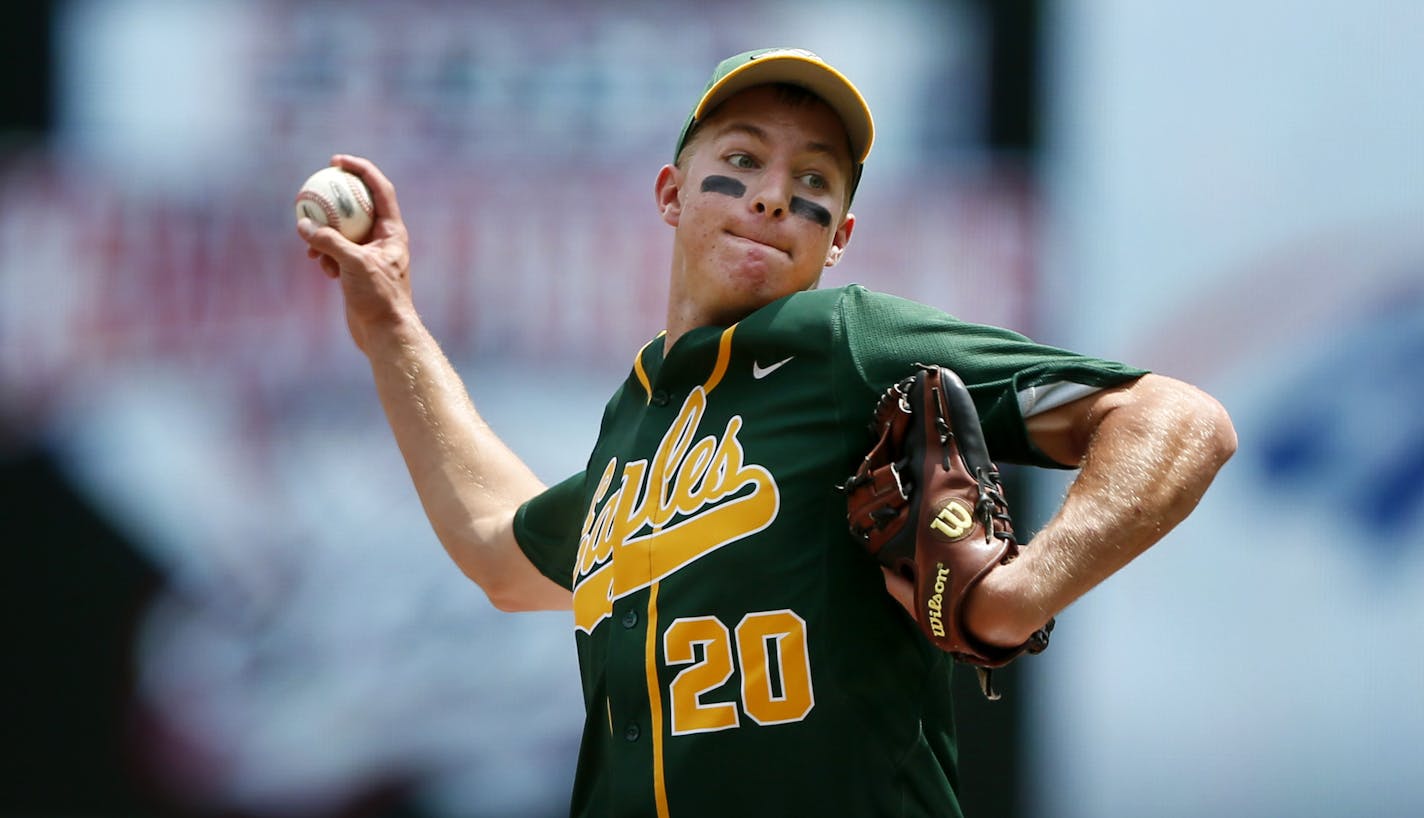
(358, 190)
(333, 219)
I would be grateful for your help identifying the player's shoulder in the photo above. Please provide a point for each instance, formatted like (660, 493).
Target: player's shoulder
(834, 317)
(858, 307)
(800, 312)
(858, 296)
(833, 302)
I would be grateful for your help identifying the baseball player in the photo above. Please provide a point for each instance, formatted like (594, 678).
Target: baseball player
(739, 651)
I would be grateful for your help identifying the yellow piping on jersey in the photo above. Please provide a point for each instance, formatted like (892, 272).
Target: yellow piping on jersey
(643, 373)
(655, 704)
(724, 359)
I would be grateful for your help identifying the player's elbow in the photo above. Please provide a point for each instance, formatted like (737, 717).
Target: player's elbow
(486, 552)
(1225, 434)
(538, 594)
(500, 588)
(508, 597)
(1215, 427)
(507, 602)
(1201, 423)
(513, 584)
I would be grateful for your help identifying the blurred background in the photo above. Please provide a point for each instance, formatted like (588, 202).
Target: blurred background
(222, 598)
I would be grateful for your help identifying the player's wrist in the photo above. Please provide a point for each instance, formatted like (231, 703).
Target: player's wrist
(392, 330)
(1002, 610)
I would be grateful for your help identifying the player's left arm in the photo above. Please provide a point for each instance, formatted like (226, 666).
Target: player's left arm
(1147, 451)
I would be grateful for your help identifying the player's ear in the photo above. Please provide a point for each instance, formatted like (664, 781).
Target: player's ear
(666, 190)
(840, 240)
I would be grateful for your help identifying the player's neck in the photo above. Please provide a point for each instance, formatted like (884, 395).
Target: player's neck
(676, 329)
(684, 313)
(687, 314)
(689, 307)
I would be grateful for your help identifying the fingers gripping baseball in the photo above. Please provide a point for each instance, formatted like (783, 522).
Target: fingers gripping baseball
(375, 274)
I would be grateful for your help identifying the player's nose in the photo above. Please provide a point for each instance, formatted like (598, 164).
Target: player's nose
(771, 197)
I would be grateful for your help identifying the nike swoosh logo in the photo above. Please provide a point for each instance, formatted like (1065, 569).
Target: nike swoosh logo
(759, 371)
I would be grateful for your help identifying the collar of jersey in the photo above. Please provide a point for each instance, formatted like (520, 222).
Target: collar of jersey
(648, 364)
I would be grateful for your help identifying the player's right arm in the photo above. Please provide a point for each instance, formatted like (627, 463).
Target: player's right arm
(469, 482)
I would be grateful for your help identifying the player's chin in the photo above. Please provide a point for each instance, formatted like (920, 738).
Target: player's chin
(758, 278)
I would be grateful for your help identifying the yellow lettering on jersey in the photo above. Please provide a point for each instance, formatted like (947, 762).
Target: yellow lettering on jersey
(668, 512)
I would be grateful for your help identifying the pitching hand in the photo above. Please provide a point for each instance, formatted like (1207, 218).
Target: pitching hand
(374, 275)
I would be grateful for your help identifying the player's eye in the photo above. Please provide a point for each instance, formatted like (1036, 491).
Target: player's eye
(741, 161)
(815, 181)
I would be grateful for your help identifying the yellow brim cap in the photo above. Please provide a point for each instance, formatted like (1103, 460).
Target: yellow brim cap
(795, 66)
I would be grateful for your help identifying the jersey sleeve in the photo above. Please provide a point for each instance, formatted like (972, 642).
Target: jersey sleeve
(1009, 375)
(547, 529)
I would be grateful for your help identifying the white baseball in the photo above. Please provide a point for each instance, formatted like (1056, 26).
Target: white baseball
(332, 196)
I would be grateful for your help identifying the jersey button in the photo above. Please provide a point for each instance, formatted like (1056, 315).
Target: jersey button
(632, 732)
(660, 398)
(630, 619)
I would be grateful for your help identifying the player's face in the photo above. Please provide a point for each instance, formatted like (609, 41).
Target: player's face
(759, 204)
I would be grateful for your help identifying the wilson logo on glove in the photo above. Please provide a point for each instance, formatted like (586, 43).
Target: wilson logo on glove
(954, 521)
(927, 502)
(935, 607)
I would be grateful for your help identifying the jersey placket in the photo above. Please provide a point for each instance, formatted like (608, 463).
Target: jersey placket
(638, 710)
(635, 690)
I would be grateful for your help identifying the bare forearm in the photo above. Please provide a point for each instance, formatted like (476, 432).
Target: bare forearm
(1147, 464)
(469, 482)
(1146, 469)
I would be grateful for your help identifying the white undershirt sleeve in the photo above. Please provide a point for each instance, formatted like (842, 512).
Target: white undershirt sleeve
(1039, 399)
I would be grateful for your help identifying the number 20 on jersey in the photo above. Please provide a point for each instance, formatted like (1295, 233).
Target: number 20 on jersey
(769, 648)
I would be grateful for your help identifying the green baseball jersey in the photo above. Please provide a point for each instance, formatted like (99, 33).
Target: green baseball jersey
(739, 652)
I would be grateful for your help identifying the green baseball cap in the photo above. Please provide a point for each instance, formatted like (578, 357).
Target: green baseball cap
(795, 66)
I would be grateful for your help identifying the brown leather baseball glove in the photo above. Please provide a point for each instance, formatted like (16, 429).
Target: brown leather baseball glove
(927, 502)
